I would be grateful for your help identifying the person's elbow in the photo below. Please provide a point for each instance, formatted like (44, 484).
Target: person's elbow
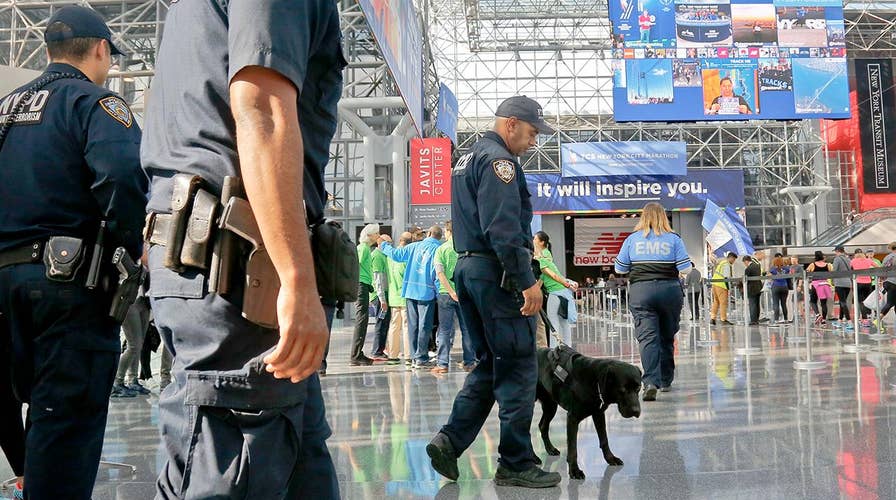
(262, 100)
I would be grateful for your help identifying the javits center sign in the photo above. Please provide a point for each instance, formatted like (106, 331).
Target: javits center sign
(597, 241)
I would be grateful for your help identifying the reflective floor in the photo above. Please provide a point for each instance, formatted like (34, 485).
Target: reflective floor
(735, 425)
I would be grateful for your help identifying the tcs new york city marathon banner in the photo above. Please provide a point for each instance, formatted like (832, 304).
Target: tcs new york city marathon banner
(553, 193)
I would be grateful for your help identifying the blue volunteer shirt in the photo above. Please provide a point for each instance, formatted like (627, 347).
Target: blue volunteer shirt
(652, 257)
(420, 275)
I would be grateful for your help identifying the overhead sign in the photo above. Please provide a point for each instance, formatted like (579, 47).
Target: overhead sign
(446, 120)
(552, 193)
(586, 159)
(394, 25)
(877, 114)
(430, 171)
(597, 241)
(430, 215)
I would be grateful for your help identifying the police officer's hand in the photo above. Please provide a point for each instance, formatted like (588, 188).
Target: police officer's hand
(303, 334)
(532, 299)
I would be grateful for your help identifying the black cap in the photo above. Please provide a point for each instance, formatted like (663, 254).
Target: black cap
(839, 248)
(82, 23)
(526, 110)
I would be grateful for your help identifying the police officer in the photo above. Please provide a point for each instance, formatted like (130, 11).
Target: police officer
(69, 151)
(251, 91)
(492, 213)
(654, 257)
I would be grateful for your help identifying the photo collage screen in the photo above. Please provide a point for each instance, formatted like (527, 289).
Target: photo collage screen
(689, 60)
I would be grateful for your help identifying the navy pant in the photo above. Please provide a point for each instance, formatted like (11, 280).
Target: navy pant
(229, 428)
(656, 309)
(65, 350)
(381, 329)
(421, 314)
(504, 341)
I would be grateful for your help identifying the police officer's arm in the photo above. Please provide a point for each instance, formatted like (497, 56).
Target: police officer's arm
(119, 185)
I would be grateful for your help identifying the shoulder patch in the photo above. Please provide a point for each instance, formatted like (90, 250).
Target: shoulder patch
(118, 109)
(505, 170)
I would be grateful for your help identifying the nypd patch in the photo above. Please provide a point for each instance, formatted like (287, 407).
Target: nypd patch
(118, 109)
(505, 170)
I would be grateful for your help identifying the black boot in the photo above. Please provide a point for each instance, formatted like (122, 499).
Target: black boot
(529, 478)
(443, 457)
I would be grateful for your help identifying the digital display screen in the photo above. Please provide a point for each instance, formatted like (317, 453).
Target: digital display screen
(691, 60)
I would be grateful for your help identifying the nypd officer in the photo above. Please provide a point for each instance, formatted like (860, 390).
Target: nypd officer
(249, 90)
(69, 159)
(492, 213)
(654, 257)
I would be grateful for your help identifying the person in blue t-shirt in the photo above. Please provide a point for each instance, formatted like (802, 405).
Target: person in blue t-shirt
(654, 257)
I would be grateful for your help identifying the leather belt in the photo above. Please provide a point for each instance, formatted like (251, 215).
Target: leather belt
(155, 232)
(25, 254)
(484, 255)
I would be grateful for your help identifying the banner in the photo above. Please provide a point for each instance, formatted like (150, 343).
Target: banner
(430, 179)
(597, 241)
(397, 32)
(552, 193)
(727, 232)
(446, 119)
(874, 88)
(586, 159)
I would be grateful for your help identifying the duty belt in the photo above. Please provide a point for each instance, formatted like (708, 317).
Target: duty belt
(484, 255)
(25, 254)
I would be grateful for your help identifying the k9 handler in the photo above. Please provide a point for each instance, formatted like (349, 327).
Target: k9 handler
(243, 89)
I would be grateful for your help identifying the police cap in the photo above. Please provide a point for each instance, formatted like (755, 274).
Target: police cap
(82, 23)
(525, 109)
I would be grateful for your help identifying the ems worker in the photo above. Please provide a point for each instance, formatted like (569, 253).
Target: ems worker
(69, 151)
(654, 257)
(492, 214)
(724, 270)
(249, 90)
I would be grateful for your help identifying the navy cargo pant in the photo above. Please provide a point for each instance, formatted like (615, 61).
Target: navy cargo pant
(504, 342)
(230, 429)
(65, 350)
(656, 310)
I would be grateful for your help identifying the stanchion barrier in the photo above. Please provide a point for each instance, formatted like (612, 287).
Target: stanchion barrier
(856, 347)
(793, 336)
(808, 363)
(706, 339)
(747, 349)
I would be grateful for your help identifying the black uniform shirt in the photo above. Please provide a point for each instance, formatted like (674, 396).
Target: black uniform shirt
(189, 125)
(490, 207)
(70, 160)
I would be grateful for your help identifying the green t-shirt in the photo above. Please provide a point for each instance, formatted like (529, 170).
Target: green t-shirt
(447, 257)
(364, 261)
(550, 284)
(377, 265)
(396, 278)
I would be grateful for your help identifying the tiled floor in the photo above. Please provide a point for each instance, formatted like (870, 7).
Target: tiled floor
(734, 426)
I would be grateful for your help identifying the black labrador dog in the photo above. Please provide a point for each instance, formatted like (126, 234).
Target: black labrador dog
(584, 387)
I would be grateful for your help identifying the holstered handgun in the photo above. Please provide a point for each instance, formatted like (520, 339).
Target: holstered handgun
(219, 275)
(185, 186)
(262, 281)
(130, 277)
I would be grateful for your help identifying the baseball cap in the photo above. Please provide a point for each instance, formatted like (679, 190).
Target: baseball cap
(839, 248)
(525, 109)
(82, 23)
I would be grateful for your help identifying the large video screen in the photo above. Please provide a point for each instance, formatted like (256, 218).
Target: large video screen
(687, 60)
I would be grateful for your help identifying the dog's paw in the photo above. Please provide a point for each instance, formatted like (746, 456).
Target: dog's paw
(613, 460)
(537, 460)
(576, 473)
(553, 451)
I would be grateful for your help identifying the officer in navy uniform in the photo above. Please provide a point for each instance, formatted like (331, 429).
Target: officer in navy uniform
(249, 90)
(69, 151)
(499, 296)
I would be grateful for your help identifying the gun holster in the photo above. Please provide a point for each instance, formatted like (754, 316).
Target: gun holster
(182, 193)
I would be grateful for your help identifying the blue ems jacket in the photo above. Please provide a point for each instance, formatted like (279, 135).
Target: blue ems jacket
(420, 274)
(70, 160)
(652, 257)
(491, 210)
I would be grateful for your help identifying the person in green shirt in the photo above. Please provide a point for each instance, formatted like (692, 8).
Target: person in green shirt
(559, 290)
(397, 343)
(379, 298)
(366, 240)
(449, 308)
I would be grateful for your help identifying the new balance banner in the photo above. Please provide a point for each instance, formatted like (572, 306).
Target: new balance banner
(874, 89)
(431, 171)
(597, 241)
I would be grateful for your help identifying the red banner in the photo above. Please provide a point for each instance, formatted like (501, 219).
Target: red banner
(430, 171)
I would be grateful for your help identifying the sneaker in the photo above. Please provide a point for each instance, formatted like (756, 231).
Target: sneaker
(443, 457)
(469, 367)
(529, 478)
(712, 322)
(726, 322)
(393, 361)
(440, 369)
(649, 392)
(362, 361)
(425, 364)
(666, 388)
(379, 356)
(121, 391)
(139, 389)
